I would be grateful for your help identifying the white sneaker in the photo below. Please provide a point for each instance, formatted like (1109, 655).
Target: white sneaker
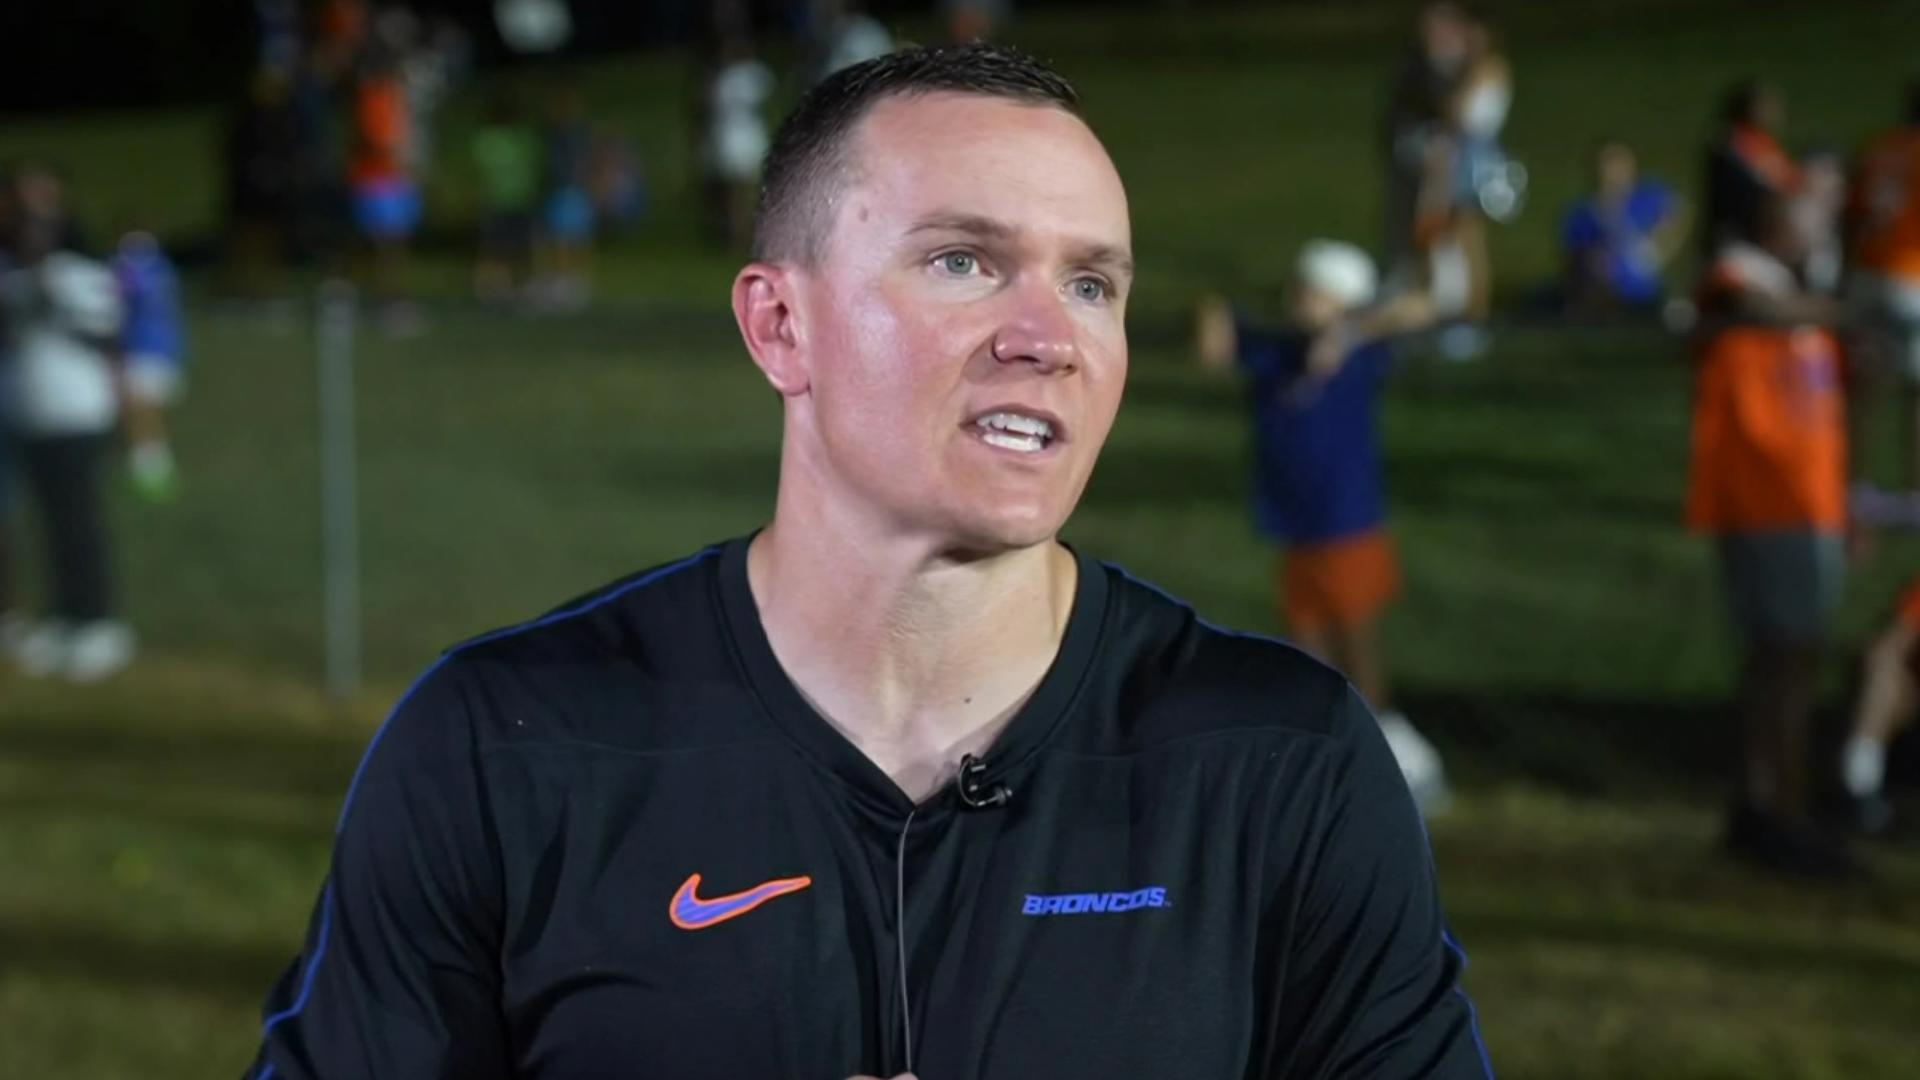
(97, 650)
(42, 650)
(1419, 762)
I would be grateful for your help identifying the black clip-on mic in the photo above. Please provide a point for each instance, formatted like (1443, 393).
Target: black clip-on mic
(976, 792)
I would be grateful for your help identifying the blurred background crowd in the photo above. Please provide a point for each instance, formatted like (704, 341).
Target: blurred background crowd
(1574, 414)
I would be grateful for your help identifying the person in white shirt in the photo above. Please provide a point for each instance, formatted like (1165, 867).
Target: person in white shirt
(62, 403)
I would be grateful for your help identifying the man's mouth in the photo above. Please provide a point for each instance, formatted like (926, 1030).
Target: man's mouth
(1019, 431)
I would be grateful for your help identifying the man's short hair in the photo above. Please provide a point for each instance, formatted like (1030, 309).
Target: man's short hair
(812, 152)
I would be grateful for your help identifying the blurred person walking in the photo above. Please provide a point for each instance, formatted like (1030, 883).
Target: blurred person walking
(507, 165)
(1768, 484)
(567, 218)
(1424, 89)
(1471, 183)
(1314, 386)
(153, 346)
(386, 193)
(62, 404)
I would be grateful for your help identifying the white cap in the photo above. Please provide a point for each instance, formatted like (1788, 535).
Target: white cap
(1339, 269)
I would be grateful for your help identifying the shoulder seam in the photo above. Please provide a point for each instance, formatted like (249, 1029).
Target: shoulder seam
(1202, 621)
(326, 893)
(505, 632)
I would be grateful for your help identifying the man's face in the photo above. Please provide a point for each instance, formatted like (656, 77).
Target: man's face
(965, 342)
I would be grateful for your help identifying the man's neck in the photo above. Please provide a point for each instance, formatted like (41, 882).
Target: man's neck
(915, 656)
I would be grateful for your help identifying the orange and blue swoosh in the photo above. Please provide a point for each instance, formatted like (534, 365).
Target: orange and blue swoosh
(689, 912)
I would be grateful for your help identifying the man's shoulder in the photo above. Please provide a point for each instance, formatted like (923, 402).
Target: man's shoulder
(641, 663)
(1181, 677)
(604, 622)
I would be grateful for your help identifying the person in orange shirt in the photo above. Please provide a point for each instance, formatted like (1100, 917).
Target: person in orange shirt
(1884, 239)
(386, 198)
(1768, 483)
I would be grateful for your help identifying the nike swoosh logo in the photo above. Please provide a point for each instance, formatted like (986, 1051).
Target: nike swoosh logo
(689, 912)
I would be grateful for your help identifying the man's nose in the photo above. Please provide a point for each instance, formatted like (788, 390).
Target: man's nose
(1039, 332)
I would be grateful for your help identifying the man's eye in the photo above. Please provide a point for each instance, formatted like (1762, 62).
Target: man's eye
(1092, 290)
(958, 263)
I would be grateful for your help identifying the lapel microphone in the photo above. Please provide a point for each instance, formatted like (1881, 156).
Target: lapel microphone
(975, 790)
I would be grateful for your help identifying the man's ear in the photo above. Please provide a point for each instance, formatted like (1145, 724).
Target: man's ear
(765, 307)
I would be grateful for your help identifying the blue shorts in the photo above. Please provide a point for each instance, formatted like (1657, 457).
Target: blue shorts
(387, 209)
(569, 214)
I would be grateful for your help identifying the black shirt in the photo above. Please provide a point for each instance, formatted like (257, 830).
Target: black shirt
(1208, 867)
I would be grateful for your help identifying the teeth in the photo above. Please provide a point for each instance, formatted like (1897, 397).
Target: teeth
(1031, 444)
(1014, 422)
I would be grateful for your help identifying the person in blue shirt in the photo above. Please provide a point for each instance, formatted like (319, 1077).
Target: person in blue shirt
(1313, 386)
(1617, 239)
(153, 342)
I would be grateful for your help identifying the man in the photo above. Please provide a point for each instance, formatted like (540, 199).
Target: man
(1418, 119)
(900, 783)
(1317, 488)
(62, 318)
(1768, 484)
(1618, 239)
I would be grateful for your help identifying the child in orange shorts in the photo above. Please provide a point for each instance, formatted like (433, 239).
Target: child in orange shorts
(1314, 386)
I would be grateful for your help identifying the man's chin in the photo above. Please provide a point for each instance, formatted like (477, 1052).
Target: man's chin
(988, 535)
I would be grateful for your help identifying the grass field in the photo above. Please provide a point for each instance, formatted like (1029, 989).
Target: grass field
(162, 838)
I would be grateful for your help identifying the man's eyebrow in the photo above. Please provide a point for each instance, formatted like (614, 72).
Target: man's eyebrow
(964, 223)
(1115, 260)
(1109, 257)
